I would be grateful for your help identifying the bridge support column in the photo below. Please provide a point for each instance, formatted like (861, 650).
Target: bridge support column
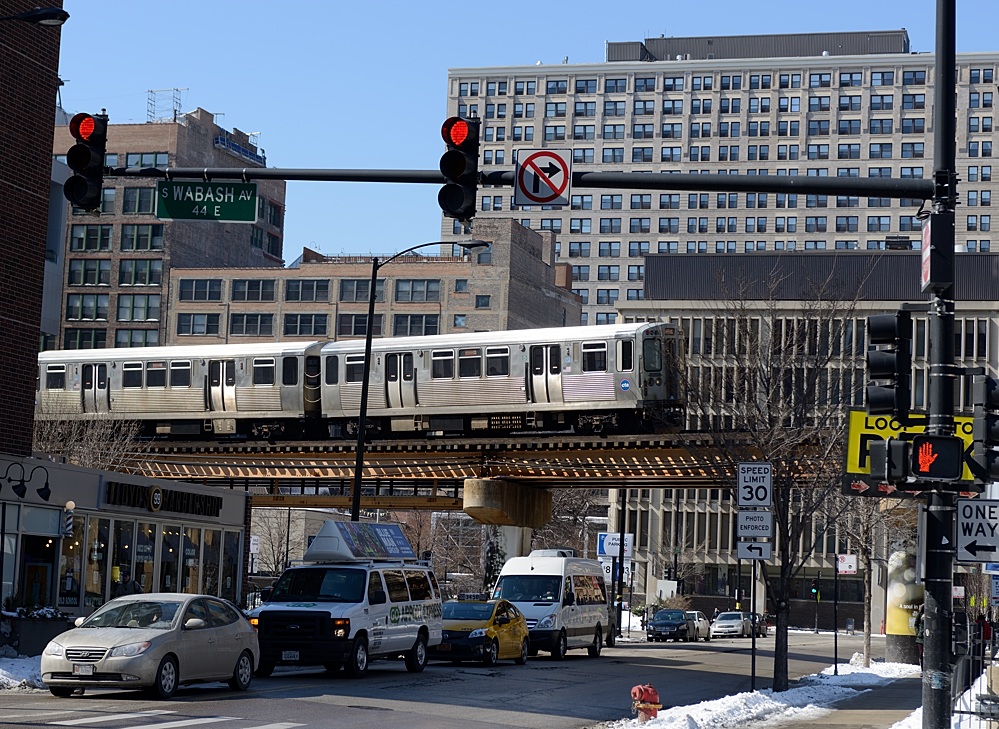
(506, 503)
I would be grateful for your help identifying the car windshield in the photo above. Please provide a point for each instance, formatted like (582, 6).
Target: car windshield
(692, 615)
(669, 615)
(155, 614)
(321, 584)
(528, 588)
(730, 616)
(467, 611)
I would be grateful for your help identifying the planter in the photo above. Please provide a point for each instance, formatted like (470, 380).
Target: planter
(29, 636)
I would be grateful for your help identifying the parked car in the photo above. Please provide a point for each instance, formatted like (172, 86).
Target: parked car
(702, 626)
(482, 630)
(760, 623)
(732, 623)
(671, 625)
(157, 642)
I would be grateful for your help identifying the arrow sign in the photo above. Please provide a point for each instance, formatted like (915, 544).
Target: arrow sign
(754, 550)
(543, 177)
(977, 530)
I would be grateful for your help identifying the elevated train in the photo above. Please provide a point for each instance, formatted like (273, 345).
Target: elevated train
(615, 378)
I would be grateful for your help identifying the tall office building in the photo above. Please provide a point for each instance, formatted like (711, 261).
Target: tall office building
(114, 280)
(856, 104)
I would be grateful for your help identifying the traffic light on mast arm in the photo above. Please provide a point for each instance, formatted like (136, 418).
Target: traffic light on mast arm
(985, 428)
(86, 159)
(460, 167)
(894, 363)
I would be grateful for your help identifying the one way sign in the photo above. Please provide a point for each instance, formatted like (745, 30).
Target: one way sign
(977, 530)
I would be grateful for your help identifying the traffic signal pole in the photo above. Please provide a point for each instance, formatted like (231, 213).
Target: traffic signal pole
(940, 508)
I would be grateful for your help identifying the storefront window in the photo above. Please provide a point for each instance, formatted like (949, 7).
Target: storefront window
(122, 552)
(230, 566)
(71, 565)
(145, 555)
(210, 561)
(9, 519)
(190, 572)
(96, 578)
(169, 558)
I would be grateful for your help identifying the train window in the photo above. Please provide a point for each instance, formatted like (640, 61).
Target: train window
(408, 372)
(131, 374)
(594, 356)
(392, 368)
(625, 355)
(652, 354)
(470, 363)
(354, 366)
(289, 370)
(332, 369)
(263, 371)
(155, 374)
(442, 365)
(180, 374)
(55, 377)
(554, 363)
(497, 361)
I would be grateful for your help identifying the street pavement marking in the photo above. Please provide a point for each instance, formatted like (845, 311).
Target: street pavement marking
(110, 717)
(279, 725)
(186, 722)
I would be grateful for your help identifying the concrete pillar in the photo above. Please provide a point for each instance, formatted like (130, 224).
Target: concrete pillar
(905, 597)
(500, 543)
(507, 503)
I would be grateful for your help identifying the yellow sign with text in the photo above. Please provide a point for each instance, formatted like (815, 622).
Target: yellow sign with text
(864, 428)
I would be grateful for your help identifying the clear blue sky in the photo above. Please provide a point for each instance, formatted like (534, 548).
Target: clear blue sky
(319, 78)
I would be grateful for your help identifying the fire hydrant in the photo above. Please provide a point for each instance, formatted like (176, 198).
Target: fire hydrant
(645, 702)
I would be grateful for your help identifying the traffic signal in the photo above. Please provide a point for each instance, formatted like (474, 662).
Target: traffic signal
(460, 167)
(893, 364)
(890, 460)
(937, 457)
(985, 429)
(86, 159)
(815, 589)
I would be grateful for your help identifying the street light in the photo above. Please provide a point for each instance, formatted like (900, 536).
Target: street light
(41, 16)
(355, 500)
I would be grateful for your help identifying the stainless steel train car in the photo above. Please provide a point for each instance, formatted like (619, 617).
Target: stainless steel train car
(621, 378)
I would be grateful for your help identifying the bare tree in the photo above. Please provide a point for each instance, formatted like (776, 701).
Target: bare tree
(104, 442)
(272, 527)
(567, 527)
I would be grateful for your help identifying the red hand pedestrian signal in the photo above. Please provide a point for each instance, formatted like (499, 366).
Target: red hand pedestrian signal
(937, 457)
(926, 457)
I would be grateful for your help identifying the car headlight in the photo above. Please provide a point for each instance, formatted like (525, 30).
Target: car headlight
(478, 633)
(54, 649)
(127, 651)
(548, 621)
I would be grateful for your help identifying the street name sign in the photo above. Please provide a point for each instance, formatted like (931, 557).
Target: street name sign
(977, 530)
(754, 550)
(755, 484)
(754, 524)
(223, 202)
(609, 545)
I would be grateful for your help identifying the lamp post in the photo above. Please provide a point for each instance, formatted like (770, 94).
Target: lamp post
(41, 16)
(376, 265)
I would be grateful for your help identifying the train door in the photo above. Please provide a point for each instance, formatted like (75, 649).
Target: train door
(546, 373)
(400, 382)
(94, 388)
(222, 385)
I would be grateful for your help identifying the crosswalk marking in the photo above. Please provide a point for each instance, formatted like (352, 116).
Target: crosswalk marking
(186, 722)
(279, 725)
(110, 717)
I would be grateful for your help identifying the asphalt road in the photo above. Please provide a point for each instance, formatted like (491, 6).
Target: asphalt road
(577, 692)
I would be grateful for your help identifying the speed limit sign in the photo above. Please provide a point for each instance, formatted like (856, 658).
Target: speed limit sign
(755, 484)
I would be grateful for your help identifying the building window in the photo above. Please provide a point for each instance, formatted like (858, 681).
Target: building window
(482, 301)
(305, 325)
(138, 307)
(140, 272)
(200, 289)
(160, 160)
(142, 237)
(359, 290)
(255, 325)
(415, 325)
(356, 325)
(460, 321)
(253, 289)
(418, 290)
(87, 307)
(307, 290)
(90, 238)
(138, 201)
(85, 339)
(197, 324)
(89, 272)
(136, 338)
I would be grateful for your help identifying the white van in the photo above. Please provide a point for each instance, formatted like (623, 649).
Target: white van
(563, 598)
(361, 595)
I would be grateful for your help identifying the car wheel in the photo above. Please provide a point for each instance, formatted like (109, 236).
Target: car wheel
(333, 666)
(598, 639)
(242, 674)
(357, 665)
(561, 647)
(491, 654)
(611, 638)
(63, 692)
(524, 651)
(166, 678)
(264, 669)
(416, 658)
(707, 637)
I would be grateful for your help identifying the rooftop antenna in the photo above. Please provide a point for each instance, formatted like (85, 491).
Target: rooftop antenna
(154, 104)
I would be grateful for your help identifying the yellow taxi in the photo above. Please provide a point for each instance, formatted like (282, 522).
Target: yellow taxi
(482, 630)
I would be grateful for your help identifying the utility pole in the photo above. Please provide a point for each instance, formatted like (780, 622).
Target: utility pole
(938, 278)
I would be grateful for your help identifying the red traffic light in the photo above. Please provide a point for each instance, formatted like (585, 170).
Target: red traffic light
(456, 131)
(82, 126)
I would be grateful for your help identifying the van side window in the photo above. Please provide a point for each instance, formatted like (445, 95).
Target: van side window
(374, 583)
(589, 590)
(396, 584)
(419, 585)
(437, 588)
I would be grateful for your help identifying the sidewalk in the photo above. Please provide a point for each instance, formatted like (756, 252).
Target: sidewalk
(876, 708)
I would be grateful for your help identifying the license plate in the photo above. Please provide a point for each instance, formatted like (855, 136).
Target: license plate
(444, 647)
(289, 655)
(82, 670)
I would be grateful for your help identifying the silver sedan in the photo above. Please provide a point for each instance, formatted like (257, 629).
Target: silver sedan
(155, 642)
